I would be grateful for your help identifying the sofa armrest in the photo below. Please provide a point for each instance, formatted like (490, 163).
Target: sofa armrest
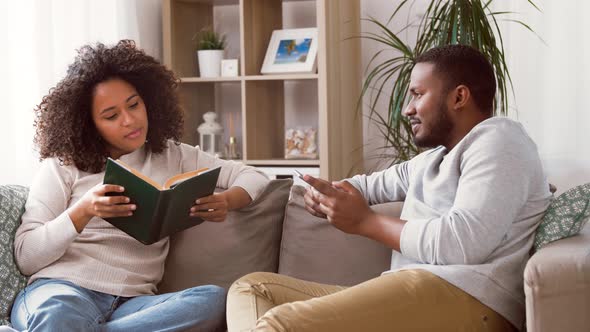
(557, 286)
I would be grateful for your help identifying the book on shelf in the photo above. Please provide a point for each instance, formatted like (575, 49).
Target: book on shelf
(162, 210)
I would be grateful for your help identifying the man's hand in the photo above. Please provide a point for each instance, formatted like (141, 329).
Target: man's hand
(211, 208)
(341, 203)
(312, 201)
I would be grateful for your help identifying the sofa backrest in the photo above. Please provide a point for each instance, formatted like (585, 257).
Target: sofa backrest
(219, 253)
(314, 250)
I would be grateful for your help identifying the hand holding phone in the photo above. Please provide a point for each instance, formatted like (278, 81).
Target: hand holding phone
(310, 197)
(316, 184)
(299, 174)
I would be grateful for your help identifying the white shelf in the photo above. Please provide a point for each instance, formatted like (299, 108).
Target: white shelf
(209, 79)
(283, 162)
(215, 2)
(281, 77)
(263, 107)
(285, 172)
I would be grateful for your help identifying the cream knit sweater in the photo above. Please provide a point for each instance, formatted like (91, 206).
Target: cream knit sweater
(102, 257)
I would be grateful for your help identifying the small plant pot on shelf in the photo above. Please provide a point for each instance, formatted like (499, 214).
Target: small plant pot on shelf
(210, 62)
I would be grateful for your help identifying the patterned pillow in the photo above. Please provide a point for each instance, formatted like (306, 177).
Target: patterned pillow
(565, 216)
(12, 206)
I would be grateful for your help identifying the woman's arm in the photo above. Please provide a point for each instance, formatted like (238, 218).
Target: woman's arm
(236, 197)
(95, 204)
(243, 183)
(49, 226)
(46, 230)
(216, 206)
(233, 173)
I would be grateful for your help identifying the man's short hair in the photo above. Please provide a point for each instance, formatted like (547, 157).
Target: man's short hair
(464, 65)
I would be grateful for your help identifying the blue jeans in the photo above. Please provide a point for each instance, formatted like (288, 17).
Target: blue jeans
(57, 305)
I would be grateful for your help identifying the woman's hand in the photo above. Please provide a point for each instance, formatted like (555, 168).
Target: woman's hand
(215, 207)
(95, 203)
(211, 208)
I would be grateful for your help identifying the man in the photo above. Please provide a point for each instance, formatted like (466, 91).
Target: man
(472, 204)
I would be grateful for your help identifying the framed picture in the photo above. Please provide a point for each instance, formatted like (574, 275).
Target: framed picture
(291, 51)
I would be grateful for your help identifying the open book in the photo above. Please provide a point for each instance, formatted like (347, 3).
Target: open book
(161, 210)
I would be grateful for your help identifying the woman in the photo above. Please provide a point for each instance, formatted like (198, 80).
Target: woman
(87, 275)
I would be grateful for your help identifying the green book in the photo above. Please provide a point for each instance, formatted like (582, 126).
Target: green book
(161, 210)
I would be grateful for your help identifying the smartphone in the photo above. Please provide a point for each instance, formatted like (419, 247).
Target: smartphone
(300, 175)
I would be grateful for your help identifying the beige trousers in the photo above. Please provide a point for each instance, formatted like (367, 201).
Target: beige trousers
(412, 300)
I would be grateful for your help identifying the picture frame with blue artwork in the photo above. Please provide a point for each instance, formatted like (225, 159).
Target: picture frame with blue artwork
(291, 51)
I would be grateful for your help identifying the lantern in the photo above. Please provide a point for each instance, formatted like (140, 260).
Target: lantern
(210, 134)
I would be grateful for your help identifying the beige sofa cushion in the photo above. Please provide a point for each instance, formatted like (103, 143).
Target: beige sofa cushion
(220, 253)
(314, 250)
(557, 286)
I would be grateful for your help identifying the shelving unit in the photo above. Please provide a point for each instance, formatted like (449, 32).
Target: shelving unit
(258, 108)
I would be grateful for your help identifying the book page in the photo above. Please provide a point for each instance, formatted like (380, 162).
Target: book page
(169, 182)
(181, 177)
(139, 174)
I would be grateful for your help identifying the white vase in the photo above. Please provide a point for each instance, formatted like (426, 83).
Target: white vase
(210, 62)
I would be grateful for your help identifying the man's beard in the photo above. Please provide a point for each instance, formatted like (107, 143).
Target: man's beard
(439, 132)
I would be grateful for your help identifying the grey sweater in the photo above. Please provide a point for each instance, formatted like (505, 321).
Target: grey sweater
(471, 212)
(103, 258)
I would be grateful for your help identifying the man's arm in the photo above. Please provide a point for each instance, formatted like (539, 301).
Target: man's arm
(346, 208)
(500, 183)
(390, 185)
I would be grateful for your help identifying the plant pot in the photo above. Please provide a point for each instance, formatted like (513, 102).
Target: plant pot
(210, 62)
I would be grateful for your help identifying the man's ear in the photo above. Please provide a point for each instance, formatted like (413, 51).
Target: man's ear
(461, 95)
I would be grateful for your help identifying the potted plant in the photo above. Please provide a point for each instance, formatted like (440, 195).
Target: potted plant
(468, 22)
(210, 46)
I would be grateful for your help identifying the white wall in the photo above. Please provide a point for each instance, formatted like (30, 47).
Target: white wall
(550, 81)
(39, 39)
(382, 10)
(16, 117)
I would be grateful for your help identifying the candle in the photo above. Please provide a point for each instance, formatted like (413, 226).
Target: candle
(231, 125)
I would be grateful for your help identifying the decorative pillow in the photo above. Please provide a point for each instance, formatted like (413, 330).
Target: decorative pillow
(565, 216)
(220, 253)
(12, 206)
(314, 250)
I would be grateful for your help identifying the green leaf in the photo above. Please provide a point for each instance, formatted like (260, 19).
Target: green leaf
(208, 39)
(469, 22)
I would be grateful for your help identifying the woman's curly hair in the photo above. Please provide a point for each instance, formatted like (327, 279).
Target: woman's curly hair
(64, 125)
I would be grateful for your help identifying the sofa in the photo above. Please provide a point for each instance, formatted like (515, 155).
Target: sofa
(276, 234)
